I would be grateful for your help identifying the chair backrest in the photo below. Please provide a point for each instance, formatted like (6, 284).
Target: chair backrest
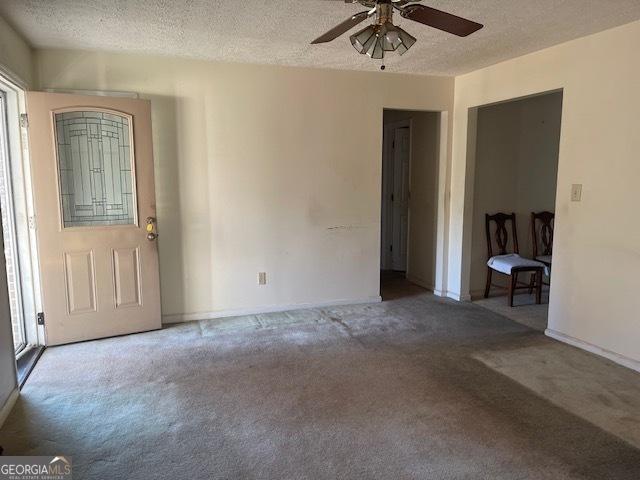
(542, 228)
(501, 233)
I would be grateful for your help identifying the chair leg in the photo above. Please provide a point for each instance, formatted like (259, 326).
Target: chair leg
(488, 287)
(532, 283)
(539, 287)
(512, 286)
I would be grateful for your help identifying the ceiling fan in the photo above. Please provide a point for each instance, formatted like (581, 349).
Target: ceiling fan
(383, 36)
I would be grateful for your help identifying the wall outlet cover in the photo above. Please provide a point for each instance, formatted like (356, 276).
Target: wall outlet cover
(576, 192)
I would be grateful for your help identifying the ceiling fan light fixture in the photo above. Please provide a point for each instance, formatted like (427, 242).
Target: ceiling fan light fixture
(369, 41)
(392, 39)
(389, 37)
(376, 39)
(377, 51)
(406, 41)
(363, 39)
(383, 36)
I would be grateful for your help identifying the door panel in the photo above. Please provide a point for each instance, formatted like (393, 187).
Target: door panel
(126, 277)
(80, 276)
(93, 183)
(401, 163)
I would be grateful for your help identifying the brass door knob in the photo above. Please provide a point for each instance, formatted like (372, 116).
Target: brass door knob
(151, 227)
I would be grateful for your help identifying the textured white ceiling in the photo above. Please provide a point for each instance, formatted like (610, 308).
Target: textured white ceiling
(279, 31)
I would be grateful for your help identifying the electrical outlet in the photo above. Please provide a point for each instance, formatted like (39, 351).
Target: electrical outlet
(262, 278)
(576, 192)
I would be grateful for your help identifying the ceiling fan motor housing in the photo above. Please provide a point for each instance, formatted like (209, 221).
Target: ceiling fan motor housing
(384, 12)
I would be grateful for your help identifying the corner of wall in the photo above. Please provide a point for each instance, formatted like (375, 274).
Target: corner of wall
(16, 56)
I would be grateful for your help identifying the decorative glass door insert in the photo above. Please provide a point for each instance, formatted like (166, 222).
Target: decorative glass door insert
(95, 167)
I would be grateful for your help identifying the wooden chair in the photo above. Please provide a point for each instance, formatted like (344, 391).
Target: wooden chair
(542, 227)
(545, 221)
(514, 263)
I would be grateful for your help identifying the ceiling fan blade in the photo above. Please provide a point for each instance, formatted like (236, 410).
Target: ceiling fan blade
(338, 30)
(440, 20)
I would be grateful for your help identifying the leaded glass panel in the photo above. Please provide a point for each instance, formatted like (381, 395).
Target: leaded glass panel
(95, 168)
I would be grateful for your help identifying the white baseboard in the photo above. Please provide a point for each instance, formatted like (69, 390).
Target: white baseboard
(8, 405)
(190, 317)
(439, 293)
(614, 357)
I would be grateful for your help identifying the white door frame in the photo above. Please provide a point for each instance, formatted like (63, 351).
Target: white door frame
(21, 211)
(442, 222)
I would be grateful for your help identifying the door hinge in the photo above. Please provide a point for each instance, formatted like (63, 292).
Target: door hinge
(24, 120)
(392, 197)
(40, 318)
(393, 144)
(391, 248)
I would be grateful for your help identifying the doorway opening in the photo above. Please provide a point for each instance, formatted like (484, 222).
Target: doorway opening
(516, 166)
(17, 217)
(8, 234)
(409, 210)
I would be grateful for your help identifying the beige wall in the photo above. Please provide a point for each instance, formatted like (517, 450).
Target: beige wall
(15, 55)
(259, 168)
(516, 168)
(597, 241)
(425, 147)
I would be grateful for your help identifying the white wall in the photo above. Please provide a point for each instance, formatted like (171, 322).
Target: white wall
(423, 205)
(594, 296)
(259, 168)
(516, 169)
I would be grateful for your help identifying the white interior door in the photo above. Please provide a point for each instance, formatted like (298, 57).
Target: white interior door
(92, 164)
(401, 163)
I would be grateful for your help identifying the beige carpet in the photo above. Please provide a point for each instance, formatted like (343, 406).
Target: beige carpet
(524, 310)
(413, 388)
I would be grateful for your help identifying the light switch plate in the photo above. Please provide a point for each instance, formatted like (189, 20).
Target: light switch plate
(576, 192)
(262, 278)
